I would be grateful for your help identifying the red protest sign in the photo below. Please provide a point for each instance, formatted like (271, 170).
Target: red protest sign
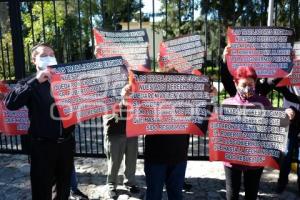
(248, 136)
(267, 49)
(132, 45)
(185, 54)
(167, 103)
(293, 78)
(88, 89)
(4, 88)
(12, 122)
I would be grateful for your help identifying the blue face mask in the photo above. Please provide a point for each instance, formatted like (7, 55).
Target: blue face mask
(246, 92)
(44, 62)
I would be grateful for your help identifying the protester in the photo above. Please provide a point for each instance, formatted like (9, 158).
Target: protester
(293, 145)
(245, 82)
(52, 146)
(117, 145)
(291, 100)
(165, 162)
(263, 86)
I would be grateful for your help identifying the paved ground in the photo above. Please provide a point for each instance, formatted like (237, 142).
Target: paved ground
(207, 179)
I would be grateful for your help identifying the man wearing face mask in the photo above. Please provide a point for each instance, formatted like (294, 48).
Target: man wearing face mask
(52, 146)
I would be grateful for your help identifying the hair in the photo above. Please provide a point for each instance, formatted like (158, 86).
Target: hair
(244, 72)
(34, 49)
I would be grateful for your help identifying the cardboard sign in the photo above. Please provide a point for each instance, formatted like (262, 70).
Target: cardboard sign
(185, 54)
(88, 89)
(297, 50)
(249, 136)
(167, 103)
(12, 122)
(267, 49)
(294, 77)
(132, 45)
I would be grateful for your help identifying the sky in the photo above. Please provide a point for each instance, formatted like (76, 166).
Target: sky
(148, 6)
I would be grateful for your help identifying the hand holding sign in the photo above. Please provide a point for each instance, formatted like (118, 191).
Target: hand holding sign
(44, 75)
(125, 93)
(225, 53)
(290, 113)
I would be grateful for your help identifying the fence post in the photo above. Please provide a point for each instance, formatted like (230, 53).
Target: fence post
(271, 13)
(17, 38)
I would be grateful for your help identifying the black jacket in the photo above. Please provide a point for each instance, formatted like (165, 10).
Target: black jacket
(166, 149)
(115, 123)
(296, 107)
(42, 112)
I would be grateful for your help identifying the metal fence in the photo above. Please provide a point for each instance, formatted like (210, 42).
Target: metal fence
(67, 26)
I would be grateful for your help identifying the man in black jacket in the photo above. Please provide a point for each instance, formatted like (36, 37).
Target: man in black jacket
(52, 146)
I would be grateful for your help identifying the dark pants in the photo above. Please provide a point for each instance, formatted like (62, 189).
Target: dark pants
(74, 182)
(292, 148)
(233, 182)
(159, 174)
(50, 161)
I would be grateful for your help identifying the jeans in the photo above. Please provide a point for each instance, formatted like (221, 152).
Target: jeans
(159, 174)
(233, 182)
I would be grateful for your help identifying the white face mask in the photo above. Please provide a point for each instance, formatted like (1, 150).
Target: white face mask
(44, 62)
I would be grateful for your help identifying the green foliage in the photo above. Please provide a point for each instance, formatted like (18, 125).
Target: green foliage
(67, 25)
(220, 15)
(116, 11)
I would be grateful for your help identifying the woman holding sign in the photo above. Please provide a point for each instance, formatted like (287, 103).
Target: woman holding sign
(245, 82)
(263, 87)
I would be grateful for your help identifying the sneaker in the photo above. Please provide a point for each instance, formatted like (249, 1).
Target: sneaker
(78, 195)
(133, 189)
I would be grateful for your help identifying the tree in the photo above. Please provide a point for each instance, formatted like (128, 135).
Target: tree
(67, 25)
(115, 11)
(218, 15)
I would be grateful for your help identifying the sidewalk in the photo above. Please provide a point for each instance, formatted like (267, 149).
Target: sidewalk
(206, 177)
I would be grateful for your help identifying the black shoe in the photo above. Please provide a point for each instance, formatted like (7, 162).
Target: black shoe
(77, 194)
(133, 189)
(187, 186)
